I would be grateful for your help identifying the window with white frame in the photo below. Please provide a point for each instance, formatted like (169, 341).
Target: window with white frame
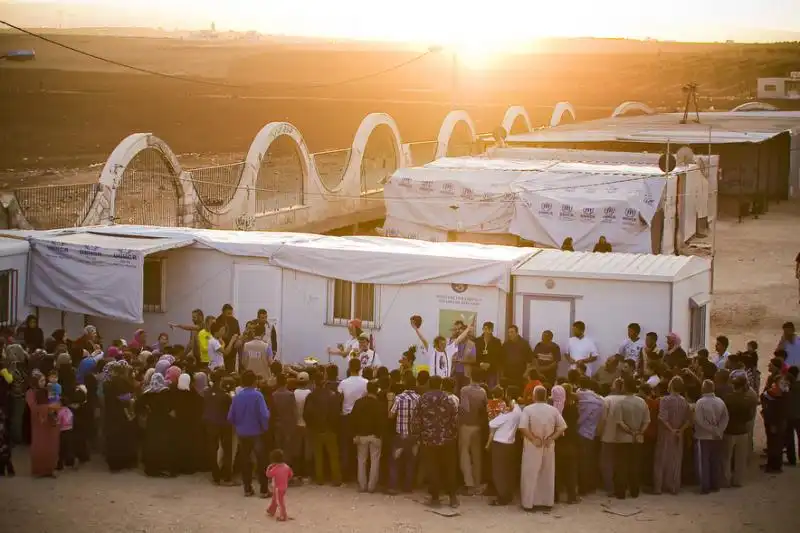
(698, 318)
(348, 300)
(155, 285)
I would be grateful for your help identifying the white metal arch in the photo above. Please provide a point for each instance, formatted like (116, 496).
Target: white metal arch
(103, 209)
(559, 111)
(447, 129)
(754, 106)
(513, 114)
(627, 107)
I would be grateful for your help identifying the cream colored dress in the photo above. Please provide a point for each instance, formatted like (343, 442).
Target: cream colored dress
(538, 476)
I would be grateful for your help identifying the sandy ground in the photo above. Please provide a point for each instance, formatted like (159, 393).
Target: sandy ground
(755, 293)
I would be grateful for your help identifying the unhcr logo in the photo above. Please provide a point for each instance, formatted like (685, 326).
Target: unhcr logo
(546, 209)
(405, 182)
(566, 212)
(426, 186)
(587, 214)
(610, 214)
(630, 215)
(466, 193)
(448, 188)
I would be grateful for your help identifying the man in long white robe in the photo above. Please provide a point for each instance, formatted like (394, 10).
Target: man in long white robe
(541, 424)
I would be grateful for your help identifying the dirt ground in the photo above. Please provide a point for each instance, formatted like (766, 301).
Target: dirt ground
(755, 292)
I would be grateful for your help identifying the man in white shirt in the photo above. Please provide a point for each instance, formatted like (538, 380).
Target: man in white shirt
(632, 347)
(505, 464)
(582, 349)
(216, 349)
(351, 388)
(256, 355)
(440, 357)
(366, 356)
(720, 357)
(303, 465)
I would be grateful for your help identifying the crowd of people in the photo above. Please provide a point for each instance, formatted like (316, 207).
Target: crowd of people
(465, 415)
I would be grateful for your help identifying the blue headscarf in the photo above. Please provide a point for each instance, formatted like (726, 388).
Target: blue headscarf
(85, 367)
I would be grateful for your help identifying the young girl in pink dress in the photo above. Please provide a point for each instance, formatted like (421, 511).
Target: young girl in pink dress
(280, 473)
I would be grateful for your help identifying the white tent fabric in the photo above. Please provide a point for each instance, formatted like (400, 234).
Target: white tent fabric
(539, 200)
(92, 274)
(358, 259)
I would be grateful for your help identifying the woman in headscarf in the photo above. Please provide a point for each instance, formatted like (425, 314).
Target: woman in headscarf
(158, 447)
(139, 340)
(161, 367)
(675, 356)
(16, 359)
(189, 425)
(674, 417)
(86, 342)
(119, 428)
(352, 344)
(148, 377)
(172, 375)
(566, 402)
(55, 340)
(45, 434)
(31, 334)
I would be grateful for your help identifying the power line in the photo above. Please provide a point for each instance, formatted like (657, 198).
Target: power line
(211, 83)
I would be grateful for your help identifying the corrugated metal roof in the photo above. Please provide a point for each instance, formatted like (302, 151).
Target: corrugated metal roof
(616, 266)
(725, 128)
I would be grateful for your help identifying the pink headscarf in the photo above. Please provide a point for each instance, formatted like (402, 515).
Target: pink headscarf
(559, 397)
(136, 343)
(173, 373)
(113, 353)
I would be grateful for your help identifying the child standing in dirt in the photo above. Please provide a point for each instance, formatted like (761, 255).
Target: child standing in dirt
(279, 473)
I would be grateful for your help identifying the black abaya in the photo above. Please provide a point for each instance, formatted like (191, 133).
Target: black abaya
(119, 431)
(159, 452)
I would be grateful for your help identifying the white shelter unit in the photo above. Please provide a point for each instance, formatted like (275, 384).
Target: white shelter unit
(545, 200)
(311, 285)
(13, 279)
(553, 289)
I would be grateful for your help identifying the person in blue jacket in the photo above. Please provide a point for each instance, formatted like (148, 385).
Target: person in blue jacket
(249, 417)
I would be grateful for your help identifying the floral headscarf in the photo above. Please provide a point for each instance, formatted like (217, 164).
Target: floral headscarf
(115, 368)
(16, 354)
(157, 384)
(148, 376)
(559, 397)
(167, 357)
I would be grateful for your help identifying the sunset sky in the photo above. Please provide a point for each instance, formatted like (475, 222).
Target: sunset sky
(442, 21)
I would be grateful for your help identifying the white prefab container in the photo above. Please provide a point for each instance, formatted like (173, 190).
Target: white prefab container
(13, 278)
(663, 294)
(310, 285)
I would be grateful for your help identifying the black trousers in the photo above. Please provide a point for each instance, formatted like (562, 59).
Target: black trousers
(776, 438)
(627, 469)
(503, 470)
(440, 469)
(248, 447)
(588, 470)
(792, 428)
(66, 453)
(220, 437)
(566, 469)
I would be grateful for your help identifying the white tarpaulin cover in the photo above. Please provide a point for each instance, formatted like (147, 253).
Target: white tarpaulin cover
(376, 260)
(92, 274)
(542, 201)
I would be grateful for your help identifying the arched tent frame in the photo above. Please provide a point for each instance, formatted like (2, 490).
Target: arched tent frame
(559, 111)
(626, 107)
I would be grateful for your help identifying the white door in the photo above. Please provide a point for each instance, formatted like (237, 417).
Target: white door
(554, 315)
(257, 287)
